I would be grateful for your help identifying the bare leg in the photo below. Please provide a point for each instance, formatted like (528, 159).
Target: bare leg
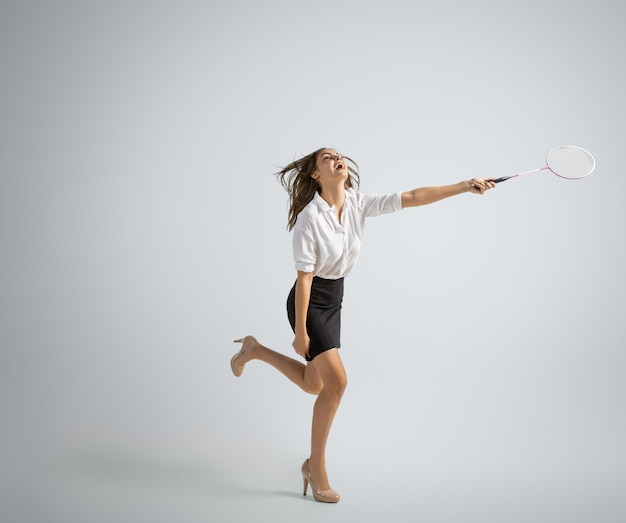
(324, 376)
(333, 375)
(304, 376)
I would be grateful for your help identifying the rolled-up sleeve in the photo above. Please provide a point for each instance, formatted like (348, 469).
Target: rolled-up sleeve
(377, 204)
(303, 248)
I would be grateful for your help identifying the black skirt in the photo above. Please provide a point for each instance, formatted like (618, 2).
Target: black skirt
(323, 320)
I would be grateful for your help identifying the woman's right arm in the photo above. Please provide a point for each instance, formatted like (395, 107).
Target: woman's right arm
(303, 296)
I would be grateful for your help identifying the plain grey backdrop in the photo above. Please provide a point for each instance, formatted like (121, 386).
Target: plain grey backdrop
(142, 230)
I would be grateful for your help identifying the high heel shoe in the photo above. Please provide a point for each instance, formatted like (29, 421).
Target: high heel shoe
(236, 367)
(325, 496)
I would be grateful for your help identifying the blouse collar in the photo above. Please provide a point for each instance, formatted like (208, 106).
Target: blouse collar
(323, 204)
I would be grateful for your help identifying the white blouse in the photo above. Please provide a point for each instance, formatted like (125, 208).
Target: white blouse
(330, 249)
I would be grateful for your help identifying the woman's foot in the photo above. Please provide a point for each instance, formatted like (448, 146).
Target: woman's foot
(239, 360)
(325, 496)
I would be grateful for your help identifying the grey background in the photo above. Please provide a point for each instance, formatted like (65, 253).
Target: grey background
(142, 230)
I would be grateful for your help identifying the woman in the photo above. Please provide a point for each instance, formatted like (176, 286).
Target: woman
(327, 217)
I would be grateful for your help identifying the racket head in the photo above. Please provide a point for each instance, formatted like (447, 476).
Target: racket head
(570, 161)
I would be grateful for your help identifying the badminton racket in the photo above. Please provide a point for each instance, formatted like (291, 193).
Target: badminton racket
(567, 161)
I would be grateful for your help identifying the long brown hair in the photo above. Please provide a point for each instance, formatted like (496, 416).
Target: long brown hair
(297, 181)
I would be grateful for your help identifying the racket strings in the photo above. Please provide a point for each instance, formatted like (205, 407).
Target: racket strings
(570, 162)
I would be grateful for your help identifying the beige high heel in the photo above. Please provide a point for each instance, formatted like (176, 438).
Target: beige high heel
(237, 368)
(324, 496)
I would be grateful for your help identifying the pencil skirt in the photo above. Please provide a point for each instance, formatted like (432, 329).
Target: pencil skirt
(323, 320)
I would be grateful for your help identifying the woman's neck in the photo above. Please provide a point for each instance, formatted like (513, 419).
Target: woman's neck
(334, 196)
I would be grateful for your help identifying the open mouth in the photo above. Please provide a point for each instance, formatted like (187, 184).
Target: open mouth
(340, 166)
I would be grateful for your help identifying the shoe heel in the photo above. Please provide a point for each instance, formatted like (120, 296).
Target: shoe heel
(325, 496)
(236, 367)
(306, 486)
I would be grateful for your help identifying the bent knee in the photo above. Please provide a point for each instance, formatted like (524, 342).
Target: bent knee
(337, 385)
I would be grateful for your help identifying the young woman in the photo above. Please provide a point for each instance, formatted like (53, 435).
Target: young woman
(327, 215)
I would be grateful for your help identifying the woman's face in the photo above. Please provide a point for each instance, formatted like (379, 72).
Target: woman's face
(331, 167)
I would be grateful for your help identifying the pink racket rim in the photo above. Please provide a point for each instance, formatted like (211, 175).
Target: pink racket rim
(585, 152)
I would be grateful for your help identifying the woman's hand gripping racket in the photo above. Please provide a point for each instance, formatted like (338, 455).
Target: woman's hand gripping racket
(567, 161)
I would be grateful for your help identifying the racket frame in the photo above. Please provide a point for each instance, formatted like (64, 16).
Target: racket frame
(503, 178)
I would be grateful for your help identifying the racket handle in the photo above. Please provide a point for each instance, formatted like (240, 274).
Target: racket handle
(504, 178)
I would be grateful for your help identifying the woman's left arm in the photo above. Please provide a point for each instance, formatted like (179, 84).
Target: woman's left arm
(427, 195)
